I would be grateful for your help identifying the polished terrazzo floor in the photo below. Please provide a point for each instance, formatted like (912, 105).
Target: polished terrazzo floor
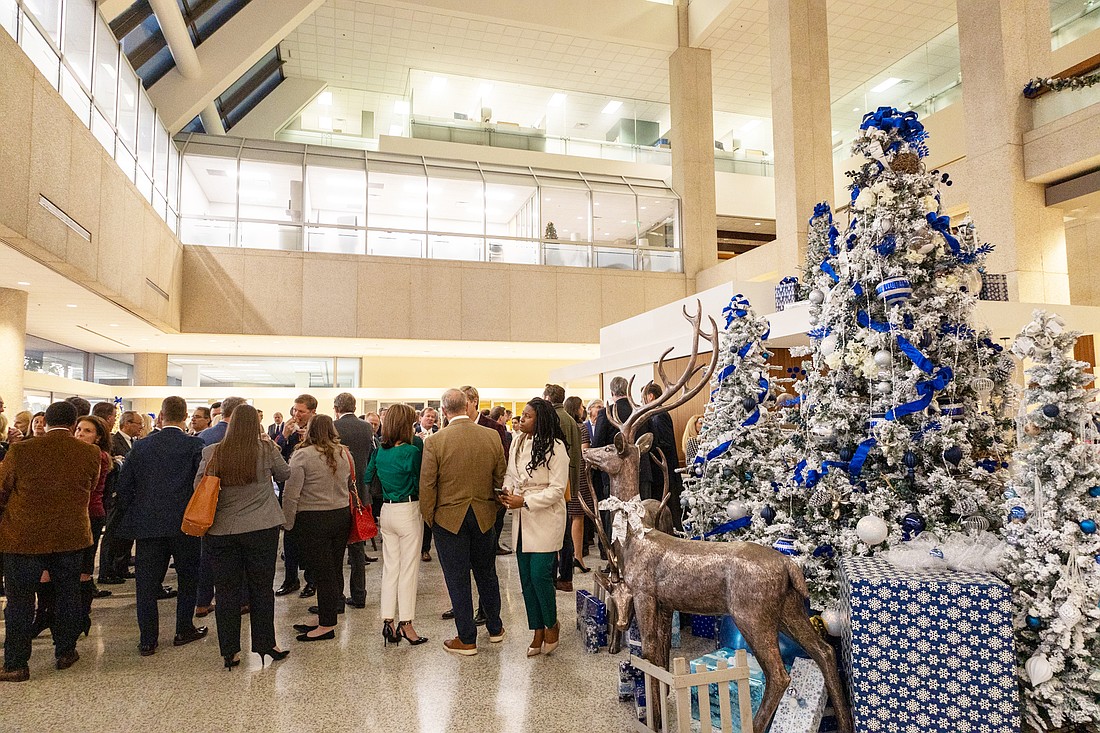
(350, 684)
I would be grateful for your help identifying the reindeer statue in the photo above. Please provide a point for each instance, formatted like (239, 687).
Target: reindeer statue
(654, 573)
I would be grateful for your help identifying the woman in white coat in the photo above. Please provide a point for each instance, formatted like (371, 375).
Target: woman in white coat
(534, 489)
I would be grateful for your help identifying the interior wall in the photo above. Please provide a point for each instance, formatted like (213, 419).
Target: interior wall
(45, 150)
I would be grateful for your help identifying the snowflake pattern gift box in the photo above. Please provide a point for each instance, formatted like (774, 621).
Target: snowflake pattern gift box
(929, 651)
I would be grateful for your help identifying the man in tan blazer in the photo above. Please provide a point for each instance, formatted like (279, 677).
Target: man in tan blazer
(463, 466)
(45, 485)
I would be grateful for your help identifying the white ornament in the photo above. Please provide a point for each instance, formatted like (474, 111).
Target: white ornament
(872, 530)
(1070, 611)
(835, 621)
(884, 387)
(737, 510)
(883, 358)
(829, 344)
(1038, 669)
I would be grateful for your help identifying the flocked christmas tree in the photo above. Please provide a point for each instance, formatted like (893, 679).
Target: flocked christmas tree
(902, 424)
(723, 486)
(1053, 505)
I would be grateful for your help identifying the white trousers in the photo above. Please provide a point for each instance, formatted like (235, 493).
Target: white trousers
(402, 529)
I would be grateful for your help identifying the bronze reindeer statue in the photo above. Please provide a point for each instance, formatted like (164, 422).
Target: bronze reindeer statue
(654, 573)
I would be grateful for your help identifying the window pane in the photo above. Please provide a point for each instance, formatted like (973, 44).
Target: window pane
(467, 249)
(565, 214)
(125, 160)
(113, 370)
(455, 201)
(615, 217)
(340, 241)
(47, 357)
(160, 157)
(657, 221)
(79, 24)
(147, 121)
(48, 15)
(513, 251)
(173, 175)
(565, 255)
(615, 258)
(397, 197)
(395, 244)
(105, 82)
(337, 192)
(74, 95)
(9, 17)
(271, 191)
(104, 132)
(208, 232)
(347, 372)
(127, 107)
(39, 51)
(511, 205)
(145, 185)
(208, 186)
(270, 236)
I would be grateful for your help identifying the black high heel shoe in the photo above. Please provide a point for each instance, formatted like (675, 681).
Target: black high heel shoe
(275, 654)
(232, 661)
(389, 634)
(581, 566)
(331, 634)
(401, 634)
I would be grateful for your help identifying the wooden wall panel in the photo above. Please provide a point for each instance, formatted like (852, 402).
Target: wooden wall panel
(1085, 350)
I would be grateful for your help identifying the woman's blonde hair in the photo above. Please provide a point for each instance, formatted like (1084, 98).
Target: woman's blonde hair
(691, 431)
(23, 416)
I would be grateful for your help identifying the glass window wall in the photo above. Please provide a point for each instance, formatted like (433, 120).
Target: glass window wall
(331, 200)
(264, 371)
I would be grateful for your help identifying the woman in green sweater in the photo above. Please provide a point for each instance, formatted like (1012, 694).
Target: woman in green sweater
(397, 466)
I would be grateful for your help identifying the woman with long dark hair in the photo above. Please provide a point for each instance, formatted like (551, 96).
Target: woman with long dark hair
(93, 431)
(244, 539)
(316, 506)
(397, 466)
(534, 489)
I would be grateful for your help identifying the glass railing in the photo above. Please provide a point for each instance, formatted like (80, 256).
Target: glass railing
(1055, 105)
(1072, 19)
(294, 197)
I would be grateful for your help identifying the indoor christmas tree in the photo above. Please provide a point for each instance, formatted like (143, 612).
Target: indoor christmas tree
(1052, 507)
(901, 424)
(731, 471)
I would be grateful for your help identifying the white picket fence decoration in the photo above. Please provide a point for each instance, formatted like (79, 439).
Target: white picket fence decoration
(680, 681)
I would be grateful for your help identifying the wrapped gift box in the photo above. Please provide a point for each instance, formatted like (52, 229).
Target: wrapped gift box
(929, 651)
(590, 607)
(704, 627)
(803, 705)
(676, 630)
(634, 638)
(994, 287)
(627, 673)
(786, 292)
(709, 663)
(595, 636)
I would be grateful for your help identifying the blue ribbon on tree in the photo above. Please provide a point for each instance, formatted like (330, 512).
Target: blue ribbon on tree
(942, 224)
(828, 270)
(886, 119)
(726, 527)
(925, 388)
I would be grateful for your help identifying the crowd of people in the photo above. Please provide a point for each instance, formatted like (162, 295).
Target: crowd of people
(85, 487)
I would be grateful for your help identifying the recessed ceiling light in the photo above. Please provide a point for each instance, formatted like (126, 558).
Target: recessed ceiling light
(22, 282)
(113, 325)
(886, 84)
(72, 305)
(641, 208)
(557, 99)
(756, 224)
(855, 109)
(612, 107)
(325, 98)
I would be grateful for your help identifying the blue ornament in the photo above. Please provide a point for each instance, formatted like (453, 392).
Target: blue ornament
(748, 403)
(767, 514)
(1051, 411)
(1094, 492)
(1088, 526)
(785, 545)
(846, 454)
(1017, 513)
(910, 459)
(953, 455)
(912, 525)
(1010, 494)
(829, 551)
(1034, 623)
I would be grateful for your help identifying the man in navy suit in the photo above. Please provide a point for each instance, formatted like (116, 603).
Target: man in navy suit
(358, 436)
(156, 483)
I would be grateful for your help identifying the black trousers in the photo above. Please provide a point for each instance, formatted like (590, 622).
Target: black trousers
(470, 550)
(357, 579)
(239, 560)
(150, 565)
(563, 563)
(426, 543)
(323, 536)
(22, 574)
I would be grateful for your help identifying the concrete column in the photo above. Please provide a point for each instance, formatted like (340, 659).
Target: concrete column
(150, 370)
(801, 122)
(692, 139)
(13, 339)
(1002, 44)
(1082, 244)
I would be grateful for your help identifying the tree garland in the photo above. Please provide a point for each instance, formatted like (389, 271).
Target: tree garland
(1038, 85)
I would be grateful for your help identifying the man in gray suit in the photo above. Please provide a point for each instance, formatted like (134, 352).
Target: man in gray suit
(358, 436)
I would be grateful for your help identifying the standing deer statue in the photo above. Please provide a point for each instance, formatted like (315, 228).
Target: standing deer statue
(654, 573)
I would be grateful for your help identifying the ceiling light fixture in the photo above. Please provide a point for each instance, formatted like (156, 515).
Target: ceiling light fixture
(72, 305)
(612, 107)
(113, 325)
(886, 84)
(756, 223)
(22, 282)
(557, 99)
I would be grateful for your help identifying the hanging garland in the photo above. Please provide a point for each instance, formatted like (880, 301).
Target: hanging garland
(1038, 85)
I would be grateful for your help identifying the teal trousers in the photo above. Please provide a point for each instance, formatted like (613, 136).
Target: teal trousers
(536, 577)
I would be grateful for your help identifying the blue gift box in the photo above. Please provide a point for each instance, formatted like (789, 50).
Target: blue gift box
(634, 639)
(730, 636)
(709, 663)
(704, 627)
(676, 630)
(595, 636)
(994, 287)
(928, 649)
(588, 606)
(786, 292)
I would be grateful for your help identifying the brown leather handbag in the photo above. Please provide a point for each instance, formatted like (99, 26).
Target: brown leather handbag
(199, 515)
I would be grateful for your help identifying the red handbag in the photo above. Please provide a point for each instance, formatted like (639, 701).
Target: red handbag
(363, 527)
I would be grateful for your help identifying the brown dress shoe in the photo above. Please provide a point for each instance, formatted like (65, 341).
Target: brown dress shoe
(455, 646)
(15, 675)
(67, 660)
(566, 586)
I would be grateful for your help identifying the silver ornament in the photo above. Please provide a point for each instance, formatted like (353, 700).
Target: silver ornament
(817, 297)
(976, 523)
(965, 506)
(737, 510)
(884, 387)
(883, 358)
(820, 498)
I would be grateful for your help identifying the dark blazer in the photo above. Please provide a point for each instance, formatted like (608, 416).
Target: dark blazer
(606, 432)
(274, 429)
(45, 486)
(119, 446)
(156, 483)
(358, 436)
(505, 436)
(664, 437)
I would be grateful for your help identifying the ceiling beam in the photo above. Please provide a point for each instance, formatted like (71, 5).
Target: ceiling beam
(176, 36)
(704, 18)
(284, 103)
(225, 56)
(631, 22)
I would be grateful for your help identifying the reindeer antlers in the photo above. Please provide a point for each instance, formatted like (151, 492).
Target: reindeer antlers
(640, 413)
